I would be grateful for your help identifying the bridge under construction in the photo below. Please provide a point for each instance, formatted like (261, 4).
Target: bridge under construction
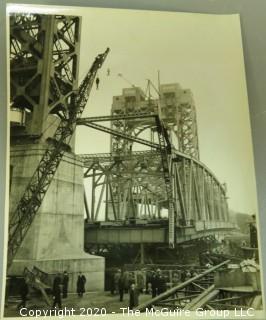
(70, 211)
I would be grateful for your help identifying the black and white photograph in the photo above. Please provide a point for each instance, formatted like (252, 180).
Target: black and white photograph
(132, 185)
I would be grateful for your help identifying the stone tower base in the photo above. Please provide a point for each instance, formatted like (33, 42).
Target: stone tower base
(55, 240)
(91, 266)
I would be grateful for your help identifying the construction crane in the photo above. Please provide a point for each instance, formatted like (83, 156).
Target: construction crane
(36, 189)
(126, 80)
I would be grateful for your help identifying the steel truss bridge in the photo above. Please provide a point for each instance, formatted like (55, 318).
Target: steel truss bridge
(158, 195)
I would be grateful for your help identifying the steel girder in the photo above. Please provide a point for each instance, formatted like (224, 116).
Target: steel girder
(44, 53)
(187, 130)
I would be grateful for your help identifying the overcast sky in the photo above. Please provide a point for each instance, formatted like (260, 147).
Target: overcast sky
(200, 52)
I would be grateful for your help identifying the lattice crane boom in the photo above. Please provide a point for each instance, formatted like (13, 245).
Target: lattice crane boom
(39, 183)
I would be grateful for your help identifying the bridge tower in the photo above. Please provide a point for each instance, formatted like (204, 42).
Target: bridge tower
(177, 110)
(44, 58)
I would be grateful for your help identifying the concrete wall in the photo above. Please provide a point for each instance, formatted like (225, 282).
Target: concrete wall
(55, 240)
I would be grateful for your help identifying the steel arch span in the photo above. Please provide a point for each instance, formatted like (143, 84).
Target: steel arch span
(166, 184)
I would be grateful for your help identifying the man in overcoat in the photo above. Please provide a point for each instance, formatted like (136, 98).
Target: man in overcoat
(81, 284)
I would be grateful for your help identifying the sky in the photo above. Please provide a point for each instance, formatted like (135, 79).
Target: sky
(200, 52)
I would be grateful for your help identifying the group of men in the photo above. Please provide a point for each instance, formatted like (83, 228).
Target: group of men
(59, 289)
(63, 282)
(158, 283)
(58, 282)
(120, 283)
(124, 282)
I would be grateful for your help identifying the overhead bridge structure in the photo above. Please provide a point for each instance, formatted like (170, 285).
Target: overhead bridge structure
(159, 192)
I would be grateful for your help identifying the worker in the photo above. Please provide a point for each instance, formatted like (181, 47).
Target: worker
(149, 275)
(131, 279)
(162, 286)
(126, 280)
(140, 280)
(175, 279)
(253, 232)
(57, 292)
(112, 283)
(183, 276)
(117, 276)
(189, 287)
(108, 72)
(97, 83)
(148, 288)
(153, 281)
(133, 296)
(65, 284)
(158, 283)
(121, 286)
(81, 284)
(23, 290)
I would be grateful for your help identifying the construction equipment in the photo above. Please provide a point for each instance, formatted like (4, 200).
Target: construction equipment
(34, 280)
(36, 189)
(125, 79)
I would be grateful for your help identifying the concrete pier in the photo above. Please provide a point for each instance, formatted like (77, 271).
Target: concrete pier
(55, 240)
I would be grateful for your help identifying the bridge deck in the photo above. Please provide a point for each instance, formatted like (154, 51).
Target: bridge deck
(151, 233)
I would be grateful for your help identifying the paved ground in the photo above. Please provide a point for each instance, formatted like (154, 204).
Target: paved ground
(89, 300)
